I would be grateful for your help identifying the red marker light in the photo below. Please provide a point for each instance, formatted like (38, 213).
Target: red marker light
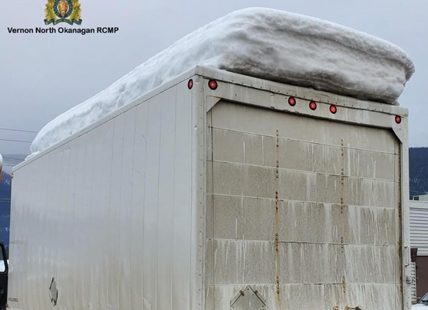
(312, 105)
(190, 84)
(212, 84)
(292, 101)
(333, 109)
(398, 119)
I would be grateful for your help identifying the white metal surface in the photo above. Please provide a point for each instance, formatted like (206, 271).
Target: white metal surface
(305, 207)
(295, 256)
(109, 214)
(419, 226)
(170, 204)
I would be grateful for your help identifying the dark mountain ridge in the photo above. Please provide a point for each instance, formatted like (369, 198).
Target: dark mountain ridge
(5, 191)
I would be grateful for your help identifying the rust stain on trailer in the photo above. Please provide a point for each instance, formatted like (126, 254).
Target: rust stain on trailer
(400, 220)
(342, 174)
(276, 202)
(277, 169)
(276, 241)
(342, 202)
(277, 259)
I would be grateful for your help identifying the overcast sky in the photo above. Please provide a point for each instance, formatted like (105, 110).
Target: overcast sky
(44, 75)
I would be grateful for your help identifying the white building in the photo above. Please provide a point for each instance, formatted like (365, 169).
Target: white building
(419, 242)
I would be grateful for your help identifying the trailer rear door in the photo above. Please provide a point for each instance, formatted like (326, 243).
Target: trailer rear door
(304, 210)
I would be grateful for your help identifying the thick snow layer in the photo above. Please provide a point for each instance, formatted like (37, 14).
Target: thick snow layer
(264, 43)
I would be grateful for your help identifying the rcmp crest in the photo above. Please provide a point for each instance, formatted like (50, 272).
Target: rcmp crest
(66, 11)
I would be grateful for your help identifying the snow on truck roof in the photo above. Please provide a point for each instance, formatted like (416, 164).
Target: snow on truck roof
(264, 43)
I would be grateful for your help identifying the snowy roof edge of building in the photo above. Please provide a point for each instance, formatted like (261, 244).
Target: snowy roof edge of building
(264, 43)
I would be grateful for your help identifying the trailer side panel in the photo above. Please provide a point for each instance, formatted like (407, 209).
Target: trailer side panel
(106, 219)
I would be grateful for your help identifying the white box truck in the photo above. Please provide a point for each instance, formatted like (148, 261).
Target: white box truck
(218, 190)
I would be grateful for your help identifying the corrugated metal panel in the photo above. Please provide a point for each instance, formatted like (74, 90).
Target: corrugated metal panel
(413, 279)
(304, 210)
(419, 226)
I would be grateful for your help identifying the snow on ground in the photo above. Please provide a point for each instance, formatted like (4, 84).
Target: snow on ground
(260, 42)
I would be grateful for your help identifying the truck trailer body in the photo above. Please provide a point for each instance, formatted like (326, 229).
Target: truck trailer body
(218, 191)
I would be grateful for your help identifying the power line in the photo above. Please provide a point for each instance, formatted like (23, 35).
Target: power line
(11, 140)
(18, 130)
(13, 158)
(12, 164)
(417, 191)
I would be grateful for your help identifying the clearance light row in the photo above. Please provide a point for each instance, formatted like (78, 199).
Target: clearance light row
(212, 84)
(312, 105)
